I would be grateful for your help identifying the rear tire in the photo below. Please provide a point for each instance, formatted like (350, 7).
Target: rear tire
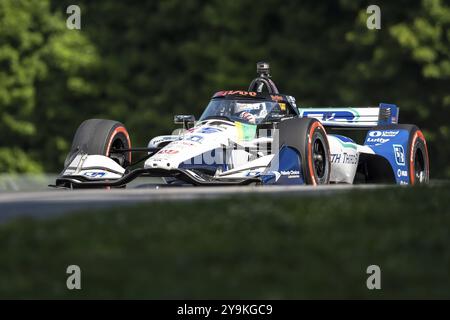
(101, 137)
(419, 163)
(309, 138)
(416, 154)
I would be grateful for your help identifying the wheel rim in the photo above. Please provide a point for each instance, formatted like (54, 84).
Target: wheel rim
(319, 160)
(118, 157)
(419, 167)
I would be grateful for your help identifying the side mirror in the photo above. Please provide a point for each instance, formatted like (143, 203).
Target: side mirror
(185, 120)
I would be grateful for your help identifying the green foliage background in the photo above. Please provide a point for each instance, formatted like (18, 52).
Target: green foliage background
(140, 62)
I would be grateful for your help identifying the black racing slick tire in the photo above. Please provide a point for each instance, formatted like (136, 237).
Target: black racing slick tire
(416, 154)
(101, 137)
(309, 138)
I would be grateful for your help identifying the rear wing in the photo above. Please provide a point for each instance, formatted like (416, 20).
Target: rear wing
(358, 117)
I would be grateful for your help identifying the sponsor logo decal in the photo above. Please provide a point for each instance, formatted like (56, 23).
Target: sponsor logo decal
(207, 130)
(384, 133)
(399, 154)
(402, 173)
(344, 158)
(204, 130)
(377, 140)
(291, 173)
(231, 92)
(347, 115)
(168, 151)
(158, 140)
(194, 138)
(94, 174)
(181, 144)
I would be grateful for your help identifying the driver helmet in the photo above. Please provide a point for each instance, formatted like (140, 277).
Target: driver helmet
(251, 112)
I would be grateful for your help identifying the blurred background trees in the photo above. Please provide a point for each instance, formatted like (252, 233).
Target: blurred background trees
(45, 85)
(140, 62)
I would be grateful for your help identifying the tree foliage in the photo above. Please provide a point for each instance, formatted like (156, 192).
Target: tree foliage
(42, 85)
(140, 62)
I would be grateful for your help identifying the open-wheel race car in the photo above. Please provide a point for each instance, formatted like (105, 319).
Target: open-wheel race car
(258, 136)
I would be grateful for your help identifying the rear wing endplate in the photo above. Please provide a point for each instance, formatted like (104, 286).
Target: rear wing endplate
(357, 117)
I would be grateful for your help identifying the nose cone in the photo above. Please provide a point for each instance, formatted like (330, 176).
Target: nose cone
(161, 163)
(173, 154)
(194, 143)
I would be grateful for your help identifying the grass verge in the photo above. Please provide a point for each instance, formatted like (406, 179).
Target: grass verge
(243, 247)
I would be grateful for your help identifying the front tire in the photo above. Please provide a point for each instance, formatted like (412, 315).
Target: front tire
(101, 137)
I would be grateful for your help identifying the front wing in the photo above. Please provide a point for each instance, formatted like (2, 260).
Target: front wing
(189, 176)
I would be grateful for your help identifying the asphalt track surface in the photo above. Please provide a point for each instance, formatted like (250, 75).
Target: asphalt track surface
(49, 203)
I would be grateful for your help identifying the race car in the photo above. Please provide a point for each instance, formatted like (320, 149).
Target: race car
(255, 136)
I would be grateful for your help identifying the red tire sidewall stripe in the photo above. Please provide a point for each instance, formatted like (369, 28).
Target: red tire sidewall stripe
(310, 164)
(111, 139)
